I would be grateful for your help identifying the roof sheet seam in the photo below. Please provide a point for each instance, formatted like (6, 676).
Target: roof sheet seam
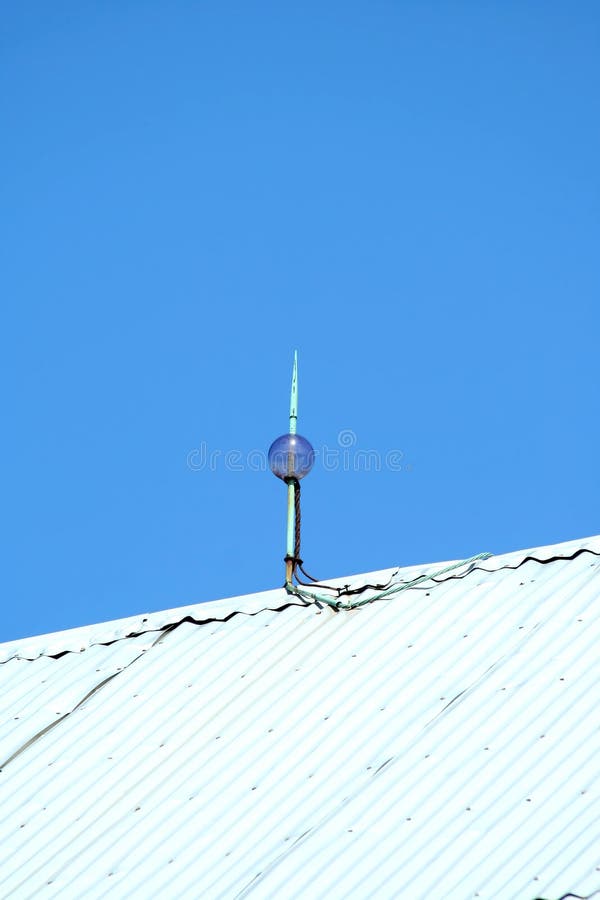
(40, 734)
(266, 871)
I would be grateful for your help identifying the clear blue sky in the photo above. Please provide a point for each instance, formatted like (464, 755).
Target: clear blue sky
(406, 192)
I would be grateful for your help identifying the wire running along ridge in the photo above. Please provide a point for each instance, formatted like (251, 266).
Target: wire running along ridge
(388, 591)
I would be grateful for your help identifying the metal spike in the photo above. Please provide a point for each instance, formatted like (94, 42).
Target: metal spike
(294, 396)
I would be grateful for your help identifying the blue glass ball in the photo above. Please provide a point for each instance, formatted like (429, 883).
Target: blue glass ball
(291, 456)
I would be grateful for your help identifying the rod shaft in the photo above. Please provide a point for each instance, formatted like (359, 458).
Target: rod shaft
(291, 504)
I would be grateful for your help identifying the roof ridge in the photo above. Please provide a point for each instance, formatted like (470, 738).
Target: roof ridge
(158, 623)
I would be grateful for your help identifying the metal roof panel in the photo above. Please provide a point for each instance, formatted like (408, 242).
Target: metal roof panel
(442, 743)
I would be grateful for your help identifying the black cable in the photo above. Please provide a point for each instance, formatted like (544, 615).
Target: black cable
(297, 562)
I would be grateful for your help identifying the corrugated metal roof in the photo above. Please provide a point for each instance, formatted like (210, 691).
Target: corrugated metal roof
(443, 743)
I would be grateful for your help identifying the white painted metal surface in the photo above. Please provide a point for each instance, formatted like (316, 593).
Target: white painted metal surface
(444, 743)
